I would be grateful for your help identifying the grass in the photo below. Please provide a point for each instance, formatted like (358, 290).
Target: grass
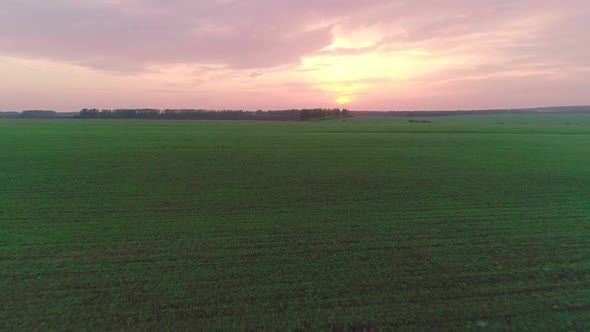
(344, 224)
(491, 119)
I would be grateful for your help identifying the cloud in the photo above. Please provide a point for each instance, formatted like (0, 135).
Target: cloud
(388, 50)
(128, 35)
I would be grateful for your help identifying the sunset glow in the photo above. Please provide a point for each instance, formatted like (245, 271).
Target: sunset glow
(371, 55)
(343, 100)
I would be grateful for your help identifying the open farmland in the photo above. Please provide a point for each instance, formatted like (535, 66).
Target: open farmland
(344, 224)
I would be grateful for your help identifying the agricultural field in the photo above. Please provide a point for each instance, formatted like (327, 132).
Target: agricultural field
(350, 224)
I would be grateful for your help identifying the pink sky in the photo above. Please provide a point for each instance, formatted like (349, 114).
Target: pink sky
(249, 54)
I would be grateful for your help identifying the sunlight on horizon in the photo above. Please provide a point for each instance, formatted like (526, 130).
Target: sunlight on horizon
(343, 100)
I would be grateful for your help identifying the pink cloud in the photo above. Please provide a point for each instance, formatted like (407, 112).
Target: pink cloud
(254, 44)
(120, 35)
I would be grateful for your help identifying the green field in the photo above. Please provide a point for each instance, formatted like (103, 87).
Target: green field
(464, 223)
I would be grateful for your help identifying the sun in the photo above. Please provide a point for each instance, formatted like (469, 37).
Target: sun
(339, 71)
(342, 100)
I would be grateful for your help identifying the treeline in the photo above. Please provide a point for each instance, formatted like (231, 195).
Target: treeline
(10, 114)
(38, 114)
(307, 114)
(30, 114)
(202, 114)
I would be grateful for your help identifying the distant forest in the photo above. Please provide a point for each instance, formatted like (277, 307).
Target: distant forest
(33, 114)
(272, 115)
(201, 114)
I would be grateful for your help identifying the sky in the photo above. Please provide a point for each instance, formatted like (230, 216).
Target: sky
(66, 55)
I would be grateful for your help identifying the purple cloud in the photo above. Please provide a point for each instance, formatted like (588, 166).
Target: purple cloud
(445, 48)
(121, 35)
(128, 35)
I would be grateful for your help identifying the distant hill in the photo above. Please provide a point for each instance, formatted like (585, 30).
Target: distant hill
(36, 114)
(5, 115)
(545, 110)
